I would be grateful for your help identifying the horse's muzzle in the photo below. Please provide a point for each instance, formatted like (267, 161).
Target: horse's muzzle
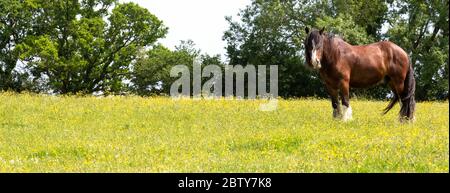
(316, 64)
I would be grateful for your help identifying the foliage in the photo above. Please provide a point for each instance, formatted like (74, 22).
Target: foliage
(151, 73)
(421, 27)
(271, 32)
(103, 46)
(15, 25)
(368, 15)
(347, 28)
(81, 48)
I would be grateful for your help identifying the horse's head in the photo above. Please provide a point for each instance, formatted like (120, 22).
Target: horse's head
(314, 48)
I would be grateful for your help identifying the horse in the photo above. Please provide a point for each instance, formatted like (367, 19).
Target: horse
(342, 65)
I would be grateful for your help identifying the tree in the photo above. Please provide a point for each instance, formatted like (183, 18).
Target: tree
(79, 46)
(421, 27)
(72, 46)
(151, 72)
(369, 15)
(15, 25)
(271, 33)
(345, 26)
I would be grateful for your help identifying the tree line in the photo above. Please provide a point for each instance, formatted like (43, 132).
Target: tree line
(108, 47)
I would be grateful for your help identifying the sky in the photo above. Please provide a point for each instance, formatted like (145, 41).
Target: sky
(202, 21)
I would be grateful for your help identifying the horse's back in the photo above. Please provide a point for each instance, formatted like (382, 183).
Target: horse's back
(391, 55)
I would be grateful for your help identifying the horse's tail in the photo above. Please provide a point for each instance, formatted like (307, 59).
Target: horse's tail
(391, 104)
(408, 102)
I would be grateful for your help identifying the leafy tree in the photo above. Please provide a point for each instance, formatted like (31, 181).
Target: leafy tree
(271, 33)
(421, 27)
(79, 46)
(15, 25)
(71, 46)
(151, 72)
(345, 26)
(368, 15)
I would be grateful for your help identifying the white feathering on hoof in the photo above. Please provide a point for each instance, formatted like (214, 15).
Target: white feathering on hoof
(347, 113)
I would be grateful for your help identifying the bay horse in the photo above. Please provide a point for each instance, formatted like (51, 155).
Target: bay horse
(342, 66)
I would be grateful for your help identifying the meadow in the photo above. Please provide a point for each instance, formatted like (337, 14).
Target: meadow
(40, 133)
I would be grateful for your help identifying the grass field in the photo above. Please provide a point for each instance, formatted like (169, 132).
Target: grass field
(134, 134)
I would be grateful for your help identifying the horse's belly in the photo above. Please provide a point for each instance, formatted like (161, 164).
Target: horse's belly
(363, 80)
(366, 84)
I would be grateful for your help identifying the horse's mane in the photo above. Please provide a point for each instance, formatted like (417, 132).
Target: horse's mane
(332, 35)
(337, 37)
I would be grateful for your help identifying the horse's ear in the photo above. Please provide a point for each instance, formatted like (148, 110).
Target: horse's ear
(307, 29)
(321, 31)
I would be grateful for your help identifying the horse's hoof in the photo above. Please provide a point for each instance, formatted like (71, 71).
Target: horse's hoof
(406, 119)
(337, 114)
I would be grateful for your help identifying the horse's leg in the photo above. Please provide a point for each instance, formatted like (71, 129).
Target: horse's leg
(395, 91)
(334, 94)
(345, 96)
(398, 88)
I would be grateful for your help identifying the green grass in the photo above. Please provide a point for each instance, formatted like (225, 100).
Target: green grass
(134, 134)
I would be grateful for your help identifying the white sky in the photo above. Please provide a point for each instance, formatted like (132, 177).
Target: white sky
(202, 21)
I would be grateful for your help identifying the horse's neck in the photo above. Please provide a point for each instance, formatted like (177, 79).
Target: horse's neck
(331, 50)
(328, 54)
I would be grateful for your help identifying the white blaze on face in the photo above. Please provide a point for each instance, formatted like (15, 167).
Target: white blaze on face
(314, 59)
